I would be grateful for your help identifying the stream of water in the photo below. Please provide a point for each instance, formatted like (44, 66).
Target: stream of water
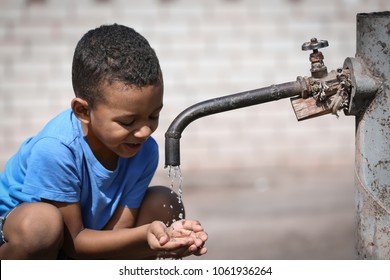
(176, 185)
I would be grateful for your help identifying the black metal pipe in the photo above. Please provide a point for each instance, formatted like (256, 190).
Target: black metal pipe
(222, 104)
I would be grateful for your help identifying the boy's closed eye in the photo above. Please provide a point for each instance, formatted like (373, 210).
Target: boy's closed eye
(155, 116)
(130, 121)
(126, 122)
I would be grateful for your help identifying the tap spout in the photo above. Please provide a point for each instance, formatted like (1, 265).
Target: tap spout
(222, 104)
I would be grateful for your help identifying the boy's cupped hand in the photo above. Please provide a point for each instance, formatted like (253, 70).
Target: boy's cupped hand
(181, 239)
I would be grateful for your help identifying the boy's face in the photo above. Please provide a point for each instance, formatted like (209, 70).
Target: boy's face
(121, 123)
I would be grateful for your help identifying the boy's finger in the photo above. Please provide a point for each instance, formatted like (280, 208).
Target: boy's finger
(177, 244)
(193, 225)
(203, 236)
(201, 251)
(197, 251)
(158, 229)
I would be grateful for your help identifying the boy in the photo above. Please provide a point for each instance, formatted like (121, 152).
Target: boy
(80, 187)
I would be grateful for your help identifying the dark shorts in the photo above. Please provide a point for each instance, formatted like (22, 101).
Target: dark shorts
(3, 218)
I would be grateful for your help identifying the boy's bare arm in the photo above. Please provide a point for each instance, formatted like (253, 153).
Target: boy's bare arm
(145, 241)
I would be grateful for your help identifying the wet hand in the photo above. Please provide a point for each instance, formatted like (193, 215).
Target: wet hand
(192, 229)
(186, 229)
(181, 239)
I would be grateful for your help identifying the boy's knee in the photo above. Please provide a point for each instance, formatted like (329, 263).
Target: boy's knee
(46, 219)
(36, 227)
(160, 195)
(162, 203)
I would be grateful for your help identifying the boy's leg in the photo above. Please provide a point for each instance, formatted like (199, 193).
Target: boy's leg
(33, 231)
(162, 204)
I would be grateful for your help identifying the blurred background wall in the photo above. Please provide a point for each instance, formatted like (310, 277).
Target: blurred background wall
(264, 184)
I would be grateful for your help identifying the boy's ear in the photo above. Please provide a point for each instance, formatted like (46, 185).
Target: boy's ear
(81, 109)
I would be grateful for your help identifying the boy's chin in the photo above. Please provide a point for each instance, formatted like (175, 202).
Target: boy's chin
(126, 155)
(128, 151)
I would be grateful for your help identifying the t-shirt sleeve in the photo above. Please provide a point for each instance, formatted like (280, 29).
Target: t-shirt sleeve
(52, 172)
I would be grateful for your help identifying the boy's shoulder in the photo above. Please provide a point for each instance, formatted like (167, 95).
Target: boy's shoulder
(59, 135)
(63, 127)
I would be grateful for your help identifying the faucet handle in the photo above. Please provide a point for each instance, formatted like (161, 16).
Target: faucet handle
(314, 44)
(318, 68)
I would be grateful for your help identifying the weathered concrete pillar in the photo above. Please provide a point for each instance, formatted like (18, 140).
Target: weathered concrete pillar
(372, 164)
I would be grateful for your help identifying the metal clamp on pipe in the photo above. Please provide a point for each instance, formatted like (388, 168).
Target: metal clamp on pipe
(364, 86)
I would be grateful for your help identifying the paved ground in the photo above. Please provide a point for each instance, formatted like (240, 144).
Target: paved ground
(274, 214)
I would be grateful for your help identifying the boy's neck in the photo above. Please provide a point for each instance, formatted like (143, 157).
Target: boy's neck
(106, 157)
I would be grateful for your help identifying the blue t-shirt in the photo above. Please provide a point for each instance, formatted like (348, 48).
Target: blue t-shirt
(58, 164)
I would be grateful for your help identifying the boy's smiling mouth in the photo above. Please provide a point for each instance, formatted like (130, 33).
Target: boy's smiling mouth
(135, 144)
(133, 147)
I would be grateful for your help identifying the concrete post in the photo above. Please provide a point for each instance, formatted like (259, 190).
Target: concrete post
(372, 166)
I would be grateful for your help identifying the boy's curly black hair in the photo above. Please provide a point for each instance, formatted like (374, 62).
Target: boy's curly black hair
(112, 53)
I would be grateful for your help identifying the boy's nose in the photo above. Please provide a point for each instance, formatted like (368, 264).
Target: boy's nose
(143, 132)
